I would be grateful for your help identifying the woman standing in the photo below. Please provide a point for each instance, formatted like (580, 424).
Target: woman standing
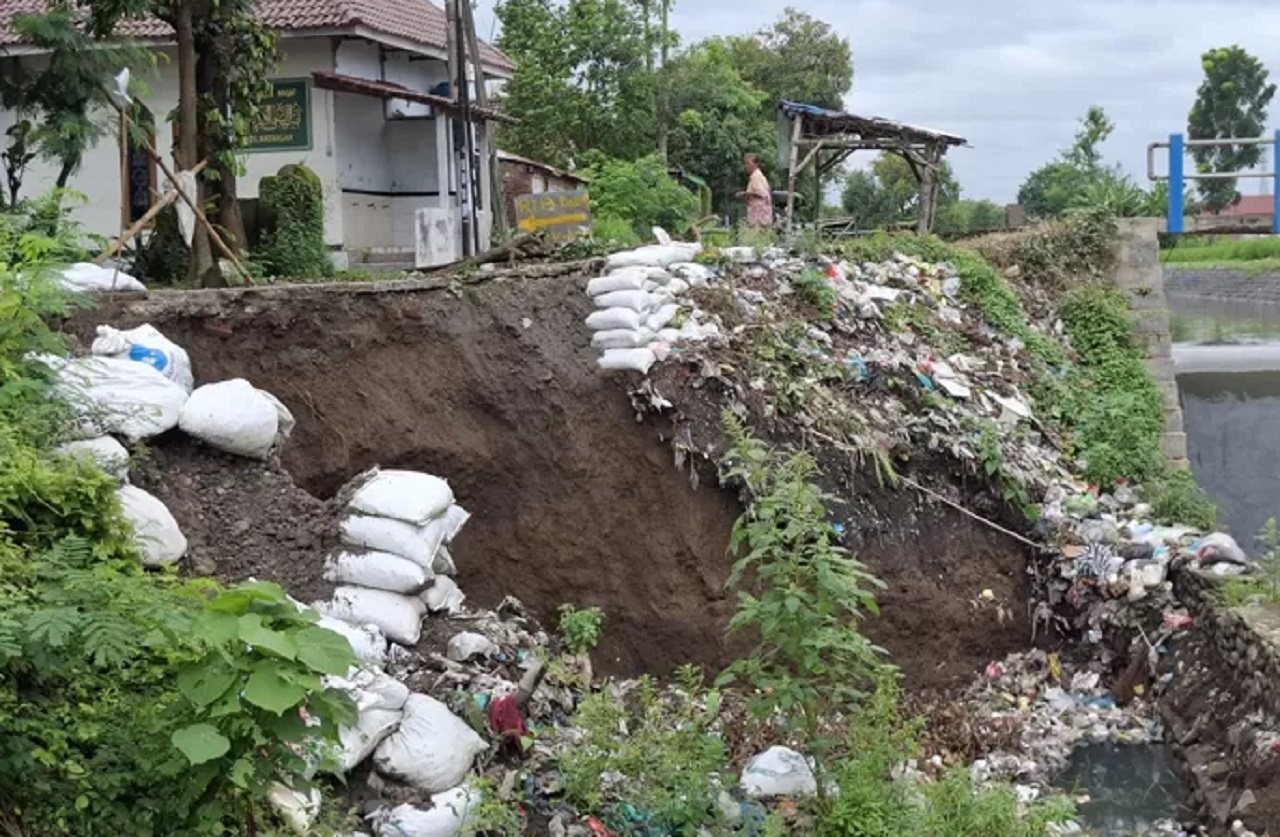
(759, 196)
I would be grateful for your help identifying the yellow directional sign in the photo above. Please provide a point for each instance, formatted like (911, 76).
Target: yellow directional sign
(560, 216)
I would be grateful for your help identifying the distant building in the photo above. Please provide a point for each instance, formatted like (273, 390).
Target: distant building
(381, 158)
(522, 176)
(1250, 206)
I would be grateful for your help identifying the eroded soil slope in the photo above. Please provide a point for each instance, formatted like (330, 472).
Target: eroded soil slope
(494, 386)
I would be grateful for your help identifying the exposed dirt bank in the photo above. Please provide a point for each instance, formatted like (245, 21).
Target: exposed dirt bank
(494, 387)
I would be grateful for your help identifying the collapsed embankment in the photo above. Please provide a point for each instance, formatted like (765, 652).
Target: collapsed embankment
(575, 501)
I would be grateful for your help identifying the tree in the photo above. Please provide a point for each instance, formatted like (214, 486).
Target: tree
(865, 200)
(1054, 188)
(799, 58)
(1095, 127)
(717, 119)
(890, 193)
(965, 216)
(1048, 191)
(1232, 103)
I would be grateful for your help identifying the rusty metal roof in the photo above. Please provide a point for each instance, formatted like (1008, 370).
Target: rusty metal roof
(418, 21)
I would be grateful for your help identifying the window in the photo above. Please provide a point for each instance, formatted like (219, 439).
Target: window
(138, 168)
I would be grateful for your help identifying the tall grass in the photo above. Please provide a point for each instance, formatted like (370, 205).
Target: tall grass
(1202, 251)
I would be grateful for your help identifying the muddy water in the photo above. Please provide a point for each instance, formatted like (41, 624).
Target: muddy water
(1227, 356)
(1124, 789)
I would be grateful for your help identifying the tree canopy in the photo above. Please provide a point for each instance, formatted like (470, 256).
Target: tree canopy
(1232, 102)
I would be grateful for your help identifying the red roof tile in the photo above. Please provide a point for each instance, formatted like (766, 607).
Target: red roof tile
(417, 21)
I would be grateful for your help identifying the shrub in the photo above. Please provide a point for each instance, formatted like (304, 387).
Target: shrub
(291, 217)
(640, 193)
(1177, 499)
(615, 233)
(581, 628)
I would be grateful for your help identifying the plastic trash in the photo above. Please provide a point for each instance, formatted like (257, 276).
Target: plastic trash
(156, 533)
(432, 750)
(397, 616)
(377, 571)
(236, 417)
(119, 396)
(410, 496)
(1220, 547)
(695, 274)
(468, 644)
(443, 596)
(145, 344)
(84, 277)
(447, 816)
(778, 772)
(104, 452)
(296, 810)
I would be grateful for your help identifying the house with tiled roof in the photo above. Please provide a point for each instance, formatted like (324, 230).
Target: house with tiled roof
(362, 97)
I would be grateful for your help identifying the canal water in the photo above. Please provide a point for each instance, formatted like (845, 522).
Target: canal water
(1227, 357)
(1125, 790)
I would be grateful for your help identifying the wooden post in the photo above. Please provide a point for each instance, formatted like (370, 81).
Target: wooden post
(138, 226)
(925, 208)
(796, 132)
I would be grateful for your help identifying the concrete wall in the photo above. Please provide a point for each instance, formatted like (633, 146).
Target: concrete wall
(99, 178)
(1137, 273)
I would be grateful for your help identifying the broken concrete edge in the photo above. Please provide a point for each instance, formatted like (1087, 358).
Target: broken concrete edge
(1231, 675)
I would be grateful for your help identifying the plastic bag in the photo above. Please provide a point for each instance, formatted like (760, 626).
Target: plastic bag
(377, 571)
(104, 452)
(613, 319)
(621, 338)
(447, 817)
(417, 543)
(397, 616)
(634, 360)
(403, 495)
(156, 533)
(367, 641)
(234, 416)
(432, 750)
(118, 396)
(776, 773)
(82, 277)
(468, 644)
(296, 810)
(145, 344)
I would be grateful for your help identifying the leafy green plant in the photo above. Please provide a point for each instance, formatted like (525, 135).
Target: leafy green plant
(802, 593)
(581, 628)
(291, 213)
(650, 760)
(815, 290)
(615, 233)
(1176, 498)
(639, 192)
(991, 458)
(1269, 558)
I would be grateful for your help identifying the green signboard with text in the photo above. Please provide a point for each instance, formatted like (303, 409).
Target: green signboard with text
(283, 122)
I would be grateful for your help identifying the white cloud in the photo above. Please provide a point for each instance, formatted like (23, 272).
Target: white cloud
(1012, 76)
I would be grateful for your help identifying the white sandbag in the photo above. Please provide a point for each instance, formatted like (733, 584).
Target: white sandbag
(444, 563)
(373, 726)
(740, 255)
(627, 281)
(156, 533)
(621, 338)
(104, 452)
(145, 344)
(370, 688)
(118, 396)
(377, 571)
(447, 817)
(367, 641)
(668, 336)
(677, 286)
(696, 275)
(660, 255)
(661, 236)
(662, 317)
(233, 416)
(640, 301)
(285, 417)
(778, 772)
(454, 519)
(296, 810)
(443, 596)
(612, 319)
(656, 275)
(432, 750)
(399, 617)
(411, 496)
(86, 276)
(633, 360)
(468, 644)
(417, 543)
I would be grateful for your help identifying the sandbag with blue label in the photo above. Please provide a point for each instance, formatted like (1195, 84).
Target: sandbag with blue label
(145, 344)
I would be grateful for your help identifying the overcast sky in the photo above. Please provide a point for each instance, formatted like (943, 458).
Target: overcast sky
(1014, 76)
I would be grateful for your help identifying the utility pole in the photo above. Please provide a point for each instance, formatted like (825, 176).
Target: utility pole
(463, 140)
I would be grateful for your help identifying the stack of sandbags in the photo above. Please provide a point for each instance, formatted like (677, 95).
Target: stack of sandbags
(392, 565)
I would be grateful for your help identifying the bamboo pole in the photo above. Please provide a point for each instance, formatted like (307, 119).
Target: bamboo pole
(139, 225)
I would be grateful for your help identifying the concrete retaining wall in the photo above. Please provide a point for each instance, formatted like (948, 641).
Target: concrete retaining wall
(1222, 283)
(1137, 272)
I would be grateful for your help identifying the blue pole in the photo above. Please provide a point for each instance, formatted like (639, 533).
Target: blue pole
(1175, 183)
(1275, 185)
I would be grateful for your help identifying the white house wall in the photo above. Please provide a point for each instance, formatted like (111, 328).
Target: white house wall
(99, 178)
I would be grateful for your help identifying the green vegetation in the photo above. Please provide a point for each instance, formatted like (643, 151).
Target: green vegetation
(581, 629)
(291, 214)
(1233, 101)
(1207, 252)
(1177, 499)
(1269, 558)
(815, 290)
(639, 194)
(132, 702)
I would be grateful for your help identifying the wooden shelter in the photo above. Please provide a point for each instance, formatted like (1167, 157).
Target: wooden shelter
(813, 136)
